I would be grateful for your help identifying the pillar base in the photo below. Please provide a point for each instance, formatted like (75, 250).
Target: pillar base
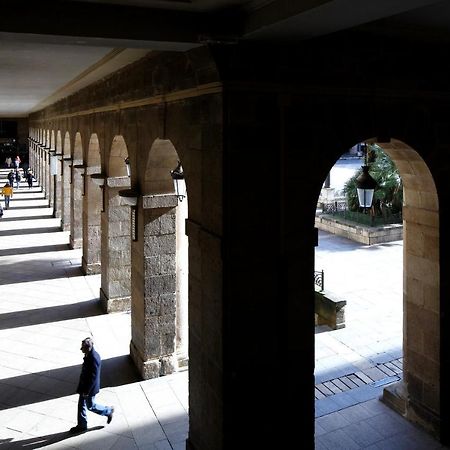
(154, 367)
(75, 243)
(182, 360)
(189, 445)
(395, 397)
(90, 269)
(116, 304)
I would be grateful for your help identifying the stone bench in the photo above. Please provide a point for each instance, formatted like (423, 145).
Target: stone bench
(330, 310)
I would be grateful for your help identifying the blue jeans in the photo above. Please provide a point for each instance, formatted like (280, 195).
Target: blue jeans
(88, 403)
(6, 201)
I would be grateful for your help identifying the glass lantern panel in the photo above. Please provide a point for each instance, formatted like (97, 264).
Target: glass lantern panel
(365, 197)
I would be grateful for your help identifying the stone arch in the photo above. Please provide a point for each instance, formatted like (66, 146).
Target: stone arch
(417, 396)
(420, 390)
(159, 299)
(77, 193)
(92, 208)
(115, 291)
(58, 145)
(163, 158)
(117, 157)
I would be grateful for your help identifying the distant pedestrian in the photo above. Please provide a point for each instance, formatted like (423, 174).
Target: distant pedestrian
(89, 386)
(8, 161)
(29, 177)
(17, 177)
(11, 177)
(7, 192)
(17, 162)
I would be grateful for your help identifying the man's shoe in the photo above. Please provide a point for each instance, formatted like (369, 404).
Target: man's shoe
(110, 415)
(77, 429)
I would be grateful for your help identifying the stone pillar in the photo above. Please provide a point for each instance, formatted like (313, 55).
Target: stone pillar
(51, 181)
(76, 205)
(115, 291)
(182, 294)
(153, 312)
(66, 194)
(46, 172)
(417, 396)
(57, 183)
(92, 208)
(41, 163)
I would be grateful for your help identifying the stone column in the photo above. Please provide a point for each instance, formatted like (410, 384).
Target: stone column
(57, 185)
(76, 205)
(51, 179)
(153, 312)
(92, 208)
(115, 291)
(45, 172)
(66, 194)
(41, 162)
(182, 294)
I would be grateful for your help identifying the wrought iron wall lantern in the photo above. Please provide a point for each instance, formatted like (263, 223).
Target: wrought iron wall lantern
(127, 165)
(177, 175)
(365, 184)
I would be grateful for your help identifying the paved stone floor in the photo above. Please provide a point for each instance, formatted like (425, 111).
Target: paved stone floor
(355, 363)
(47, 306)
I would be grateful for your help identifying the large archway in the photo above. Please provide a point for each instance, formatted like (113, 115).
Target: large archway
(417, 395)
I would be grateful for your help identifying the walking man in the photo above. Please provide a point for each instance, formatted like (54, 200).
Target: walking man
(89, 386)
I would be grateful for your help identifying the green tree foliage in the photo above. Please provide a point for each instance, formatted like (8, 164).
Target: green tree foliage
(388, 194)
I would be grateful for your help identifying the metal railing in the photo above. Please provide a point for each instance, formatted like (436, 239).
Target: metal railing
(319, 279)
(339, 209)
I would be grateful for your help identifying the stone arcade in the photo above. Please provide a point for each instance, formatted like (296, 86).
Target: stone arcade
(257, 127)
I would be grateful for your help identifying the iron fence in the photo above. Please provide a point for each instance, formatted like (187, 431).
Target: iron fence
(319, 279)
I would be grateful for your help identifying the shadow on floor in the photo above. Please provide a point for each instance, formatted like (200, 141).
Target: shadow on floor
(37, 249)
(39, 316)
(31, 231)
(51, 384)
(40, 441)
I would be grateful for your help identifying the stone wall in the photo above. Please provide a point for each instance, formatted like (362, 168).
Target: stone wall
(360, 233)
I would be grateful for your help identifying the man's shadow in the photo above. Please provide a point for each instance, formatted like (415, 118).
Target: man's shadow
(41, 441)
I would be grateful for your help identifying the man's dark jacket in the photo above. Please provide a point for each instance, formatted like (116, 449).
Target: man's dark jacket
(90, 374)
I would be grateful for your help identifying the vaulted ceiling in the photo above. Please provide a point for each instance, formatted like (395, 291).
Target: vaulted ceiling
(50, 49)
